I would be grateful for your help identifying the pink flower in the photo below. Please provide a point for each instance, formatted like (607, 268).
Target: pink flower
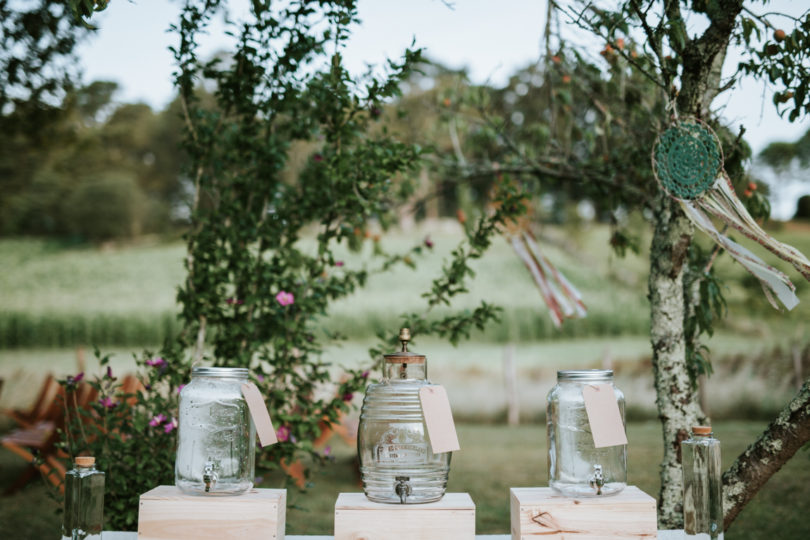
(109, 372)
(327, 451)
(338, 263)
(317, 158)
(428, 242)
(283, 433)
(156, 362)
(260, 377)
(157, 420)
(75, 379)
(348, 396)
(231, 301)
(365, 374)
(107, 402)
(180, 388)
(170, 426)
(285, 298)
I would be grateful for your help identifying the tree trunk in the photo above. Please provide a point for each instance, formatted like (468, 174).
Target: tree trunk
(677, 399)
(777, 444)
(678, 407)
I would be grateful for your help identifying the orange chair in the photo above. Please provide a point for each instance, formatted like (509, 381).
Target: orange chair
(41, 407)
(37, 443)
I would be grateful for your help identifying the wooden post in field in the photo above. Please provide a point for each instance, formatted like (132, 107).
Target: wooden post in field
(797, 365)
(607, 358)
(80, 359)
(796, 351)
(510, 378)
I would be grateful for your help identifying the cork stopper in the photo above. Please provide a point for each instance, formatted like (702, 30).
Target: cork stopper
(85, 461)
(702, 430)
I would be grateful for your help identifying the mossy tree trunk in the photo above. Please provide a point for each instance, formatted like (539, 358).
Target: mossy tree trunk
(677, 398)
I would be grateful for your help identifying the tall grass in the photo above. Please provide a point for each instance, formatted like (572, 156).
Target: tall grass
(57, 296)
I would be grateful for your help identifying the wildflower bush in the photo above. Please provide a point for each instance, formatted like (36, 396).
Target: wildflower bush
(253, 296)
(131, 432)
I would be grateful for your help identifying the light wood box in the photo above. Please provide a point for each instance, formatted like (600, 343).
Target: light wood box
(451, 518)
(545, 513)
(166, 513)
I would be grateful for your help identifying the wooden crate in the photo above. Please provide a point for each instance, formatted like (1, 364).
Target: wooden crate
(545, 513)
(357, 518)
(166, 513)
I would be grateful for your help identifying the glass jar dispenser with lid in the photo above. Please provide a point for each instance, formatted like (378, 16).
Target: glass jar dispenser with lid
(576, 468)
(216, 436)
(397, 464)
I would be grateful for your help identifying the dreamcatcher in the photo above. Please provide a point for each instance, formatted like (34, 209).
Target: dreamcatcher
(687, 161)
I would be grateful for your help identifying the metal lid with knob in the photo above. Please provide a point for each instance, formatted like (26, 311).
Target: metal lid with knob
(404, 356)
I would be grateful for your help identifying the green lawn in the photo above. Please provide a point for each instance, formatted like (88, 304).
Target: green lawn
(56, 296)
(492, 459)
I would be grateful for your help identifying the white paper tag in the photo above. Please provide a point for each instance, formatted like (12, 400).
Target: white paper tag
(259, 414)
(604, 416)
(439, 419)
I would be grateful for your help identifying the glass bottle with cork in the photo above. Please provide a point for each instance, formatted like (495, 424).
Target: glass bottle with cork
(84, 501)
(702, 485)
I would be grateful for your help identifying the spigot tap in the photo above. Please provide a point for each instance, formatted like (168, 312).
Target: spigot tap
(403, 488)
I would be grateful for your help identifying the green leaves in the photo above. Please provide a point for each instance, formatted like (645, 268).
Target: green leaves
(254, 291)
(783, 60)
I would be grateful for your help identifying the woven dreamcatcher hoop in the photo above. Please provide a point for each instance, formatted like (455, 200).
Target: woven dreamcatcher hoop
(687, 161)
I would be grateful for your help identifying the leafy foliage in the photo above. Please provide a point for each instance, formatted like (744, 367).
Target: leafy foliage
(783, 60)
(131, 434)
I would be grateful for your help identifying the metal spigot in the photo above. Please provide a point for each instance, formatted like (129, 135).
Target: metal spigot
(597, 479)
(209, 476)
(403, 488)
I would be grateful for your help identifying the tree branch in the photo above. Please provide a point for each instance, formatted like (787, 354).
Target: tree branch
(777, 444)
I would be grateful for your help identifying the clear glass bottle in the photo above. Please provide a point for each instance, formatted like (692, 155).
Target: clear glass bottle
(576, 468)
(702, 485)
(216, 436)
(397, 464)
(84, 501)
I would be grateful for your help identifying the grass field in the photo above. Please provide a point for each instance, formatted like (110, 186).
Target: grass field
(754, 377)
(55, 296)
(486, 471)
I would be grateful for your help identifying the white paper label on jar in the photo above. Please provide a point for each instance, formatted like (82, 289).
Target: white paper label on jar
(438, 419)
(604, 416)
(259, 414)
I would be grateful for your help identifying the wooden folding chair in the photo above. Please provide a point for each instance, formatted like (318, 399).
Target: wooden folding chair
(36, 444)
(41, 407)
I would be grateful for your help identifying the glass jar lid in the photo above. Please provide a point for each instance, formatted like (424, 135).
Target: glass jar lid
(404, 356)
(585, 375)
(240, 373)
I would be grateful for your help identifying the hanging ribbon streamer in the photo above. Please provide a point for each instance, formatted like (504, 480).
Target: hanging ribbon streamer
(687, 161)
(562, 298)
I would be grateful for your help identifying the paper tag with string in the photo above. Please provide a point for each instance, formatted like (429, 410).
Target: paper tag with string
(604, 416)
(259, 414)
(438, 419)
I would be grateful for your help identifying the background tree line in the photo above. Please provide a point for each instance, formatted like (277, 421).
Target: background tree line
(90, 168)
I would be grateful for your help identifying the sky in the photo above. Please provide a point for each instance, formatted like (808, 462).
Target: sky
(491, 38)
